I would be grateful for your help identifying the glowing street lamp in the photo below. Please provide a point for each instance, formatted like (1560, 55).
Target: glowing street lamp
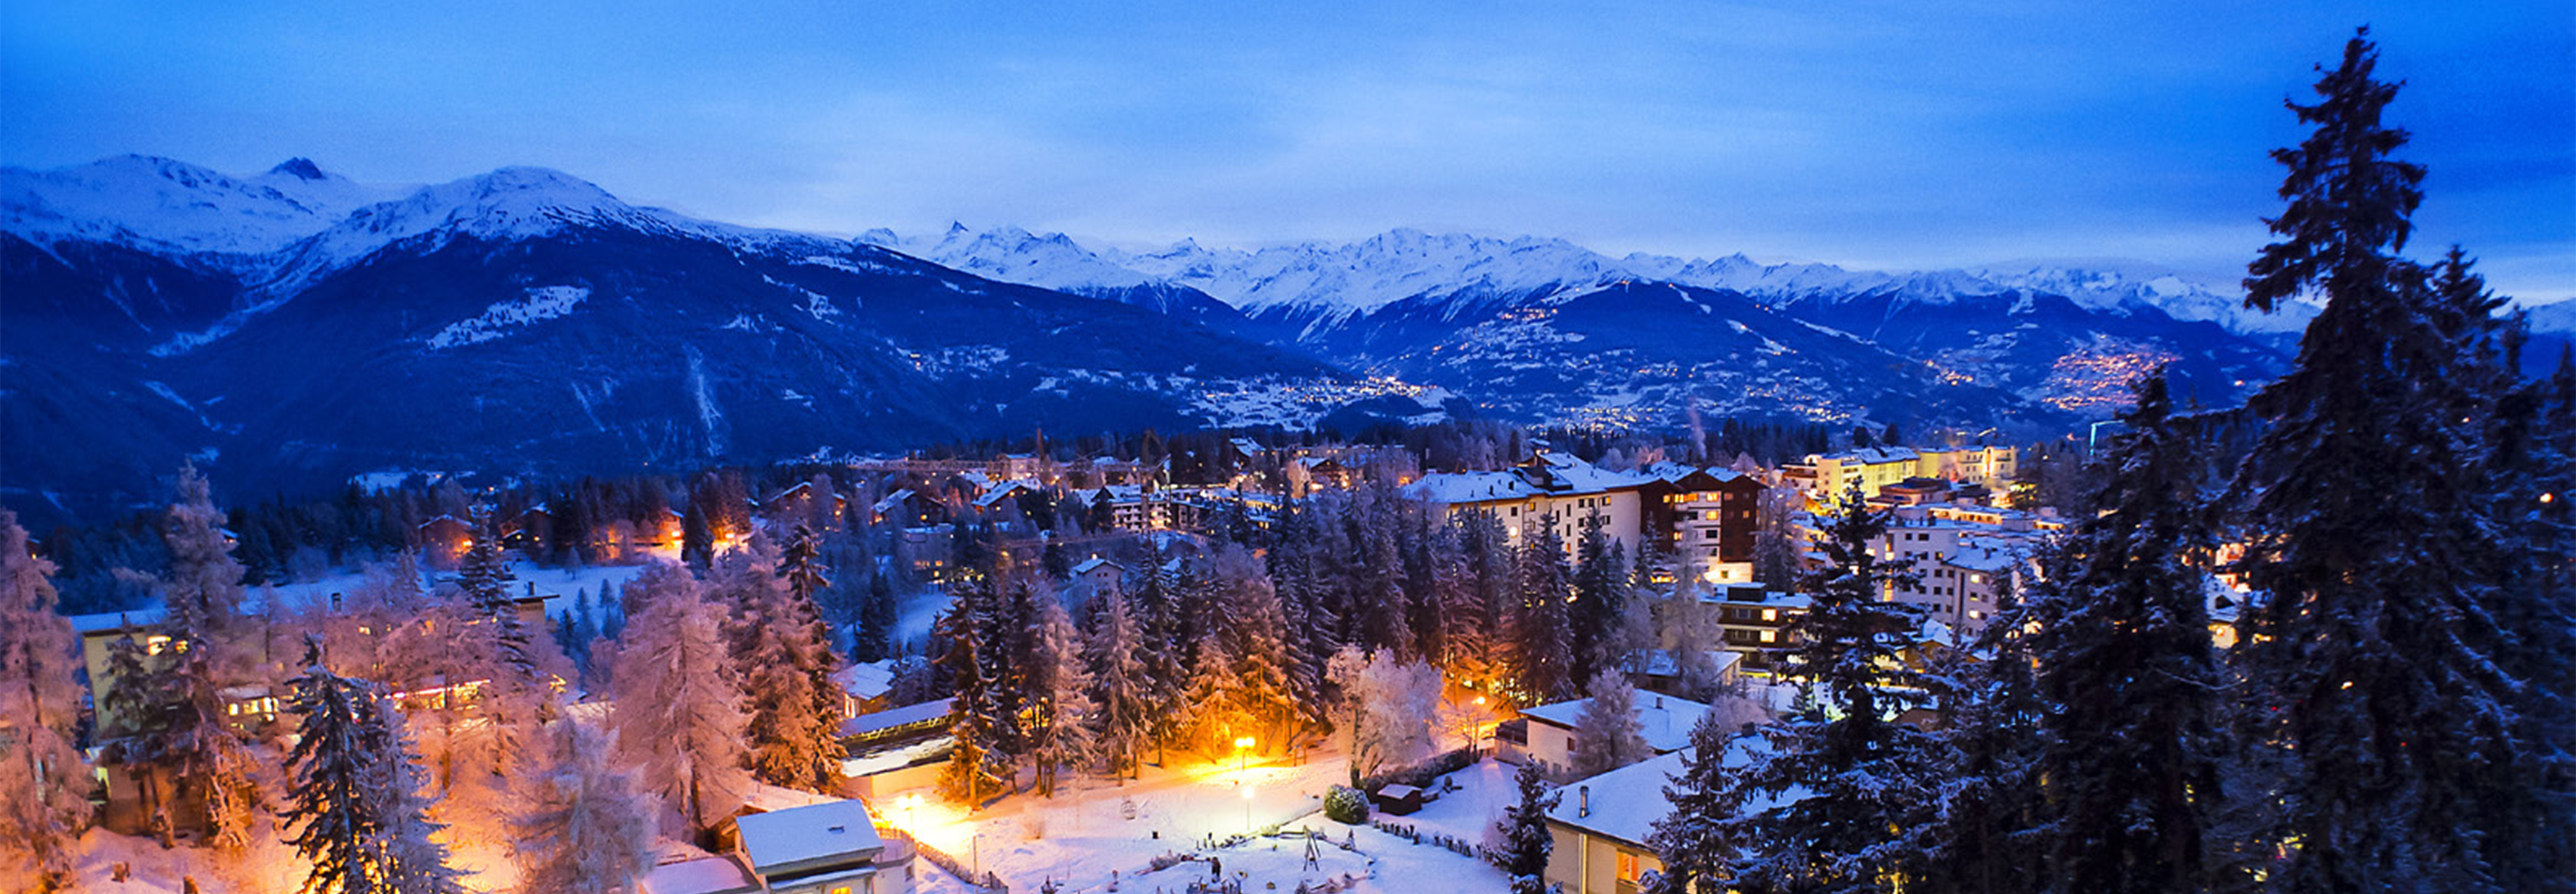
(1247, 806)
(1243, 755)
(911, 805)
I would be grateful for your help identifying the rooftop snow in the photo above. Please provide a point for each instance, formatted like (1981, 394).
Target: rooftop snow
(800, 834)
(1666, 720)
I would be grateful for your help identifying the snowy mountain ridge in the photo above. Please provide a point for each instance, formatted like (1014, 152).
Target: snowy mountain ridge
(179, 207)
(1326, 281)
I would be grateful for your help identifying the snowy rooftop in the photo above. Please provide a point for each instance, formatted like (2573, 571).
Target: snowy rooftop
(1623, 803)
(705, 875)
(110, 621)
(810, 834)
(1659, 662)
(1089, 565)
(889, 719)
(870, 680)
(1456, 488)
(1626, 802)
(1665, 720)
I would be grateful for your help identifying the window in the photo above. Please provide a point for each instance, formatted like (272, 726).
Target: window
(1769, 636)
(1627, 866)
(1770, 614)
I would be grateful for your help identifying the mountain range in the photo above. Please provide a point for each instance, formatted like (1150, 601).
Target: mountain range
(293, 328)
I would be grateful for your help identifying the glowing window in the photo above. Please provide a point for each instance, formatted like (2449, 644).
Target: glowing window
(1770, 636)
(1627, 866)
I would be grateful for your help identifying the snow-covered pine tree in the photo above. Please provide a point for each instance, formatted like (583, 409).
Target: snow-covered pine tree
(968, 664)
(1689, 841)
(1466, 643)
(588, 825)
(1863, 777)
(418, 861)
(40, 707)
(1981, 835)
(2371, 657)
(1255, 635)
(1607, 734)
(1526, 839)
(484, 576)
(1061, 708)
(331, 795)
(1599, 584)
(1538, 635)
(2529, 471)
(679, 711)
(877, 618)
(175, 727)
(782, 655)
(354, 792)
(2120, 640)
(1121, 690)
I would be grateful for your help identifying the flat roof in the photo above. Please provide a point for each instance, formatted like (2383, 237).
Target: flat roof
(803, 834)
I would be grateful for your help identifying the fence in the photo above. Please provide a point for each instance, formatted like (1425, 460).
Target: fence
(991, 884)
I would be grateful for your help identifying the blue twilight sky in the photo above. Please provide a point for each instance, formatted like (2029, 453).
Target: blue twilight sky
(1895, 134)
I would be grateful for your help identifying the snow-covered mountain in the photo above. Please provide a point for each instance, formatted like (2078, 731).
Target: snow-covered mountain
(2058, 339)
(525, 321)
(176, 207)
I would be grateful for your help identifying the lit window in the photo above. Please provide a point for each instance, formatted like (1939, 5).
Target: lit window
(1770, 614)
(1627, 866)
(1770, 636)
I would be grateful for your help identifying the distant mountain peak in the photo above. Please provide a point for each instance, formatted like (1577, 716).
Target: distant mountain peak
(300, 168)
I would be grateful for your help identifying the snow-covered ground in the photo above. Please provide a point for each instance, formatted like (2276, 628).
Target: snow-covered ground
(1096, 828)
(561, 582)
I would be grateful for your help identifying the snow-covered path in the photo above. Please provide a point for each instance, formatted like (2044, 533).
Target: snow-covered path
(1096, 828)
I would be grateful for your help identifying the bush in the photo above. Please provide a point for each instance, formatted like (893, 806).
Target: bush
(1421, 775)
(1344, 804)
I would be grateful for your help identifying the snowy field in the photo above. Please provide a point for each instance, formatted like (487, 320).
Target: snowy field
(1097, 835)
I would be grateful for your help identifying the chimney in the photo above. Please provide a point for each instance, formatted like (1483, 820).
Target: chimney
(1582, 801)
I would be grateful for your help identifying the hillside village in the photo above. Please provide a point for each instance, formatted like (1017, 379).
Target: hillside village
(1703, 629)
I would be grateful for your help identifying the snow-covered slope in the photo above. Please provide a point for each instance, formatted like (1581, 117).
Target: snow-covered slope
(171, 206)
(1338, 279)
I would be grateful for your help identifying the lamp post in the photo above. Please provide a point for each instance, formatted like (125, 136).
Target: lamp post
(1247, 807)
(1242, 754)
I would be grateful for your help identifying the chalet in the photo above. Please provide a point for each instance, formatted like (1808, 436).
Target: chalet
(443, 540)
(827, 848)
(1308, 474)
(1662, 672)
(865, 686)
(1000, 492)
(905, 508)
(1097, 577)
(1548, 736)
(799, 501)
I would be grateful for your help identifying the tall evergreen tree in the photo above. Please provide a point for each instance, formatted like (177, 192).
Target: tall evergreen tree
(165, 709)
(679, 714)
(1526, 839)
(1863, 778)
(40, 757)
(2372, 657)
(1539, 636)
(353, 795)
(2131, 779)
(1689, 840)
(1121, 690)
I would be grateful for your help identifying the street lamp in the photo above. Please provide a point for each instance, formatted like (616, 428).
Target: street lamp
(1247, 807)
(911, 805)
(1242, 754)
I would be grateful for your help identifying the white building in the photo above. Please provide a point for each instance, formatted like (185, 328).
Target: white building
(1550, 486)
